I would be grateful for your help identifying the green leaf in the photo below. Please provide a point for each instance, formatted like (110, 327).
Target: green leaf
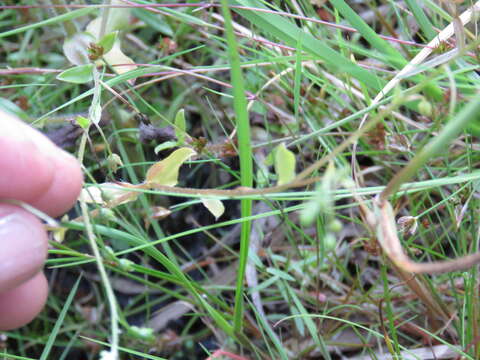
(180, 126)
(215, 206)
(165, 172)
(83, 122)
(164, 146)
(78, 74)
(75, 48)
(284, 164)
(107, 41)
(142, 333)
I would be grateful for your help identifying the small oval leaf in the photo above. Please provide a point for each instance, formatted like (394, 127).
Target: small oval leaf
(107, 41)
(83, 122)
(165, 172)
(215, 206)
(164, 146)
(284, 164)
(180, 126)
(78, 74)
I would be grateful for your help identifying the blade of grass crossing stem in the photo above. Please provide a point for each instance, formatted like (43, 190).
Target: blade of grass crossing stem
(269, 334)
(422, 19)
(59, 322)
(394, 57)
(289, 33)
(54, 20)
(246, 164)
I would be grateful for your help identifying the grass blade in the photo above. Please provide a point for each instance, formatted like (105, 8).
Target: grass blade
(246, 164)
(290, 33)
(59, 322)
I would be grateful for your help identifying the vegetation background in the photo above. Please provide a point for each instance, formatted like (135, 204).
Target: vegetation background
(318, 105)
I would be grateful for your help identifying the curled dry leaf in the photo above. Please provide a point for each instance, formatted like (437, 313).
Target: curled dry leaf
(107, 194)
(399, 143)
(407, 225)
(157, 213)
(114, 161)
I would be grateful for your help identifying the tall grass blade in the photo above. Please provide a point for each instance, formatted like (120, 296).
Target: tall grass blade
(246, 164)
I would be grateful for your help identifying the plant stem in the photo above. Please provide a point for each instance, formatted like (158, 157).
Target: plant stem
(246, 165)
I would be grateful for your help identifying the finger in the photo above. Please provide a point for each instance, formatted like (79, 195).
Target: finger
(23, 246)
(34, 170)
(64, 187)
(22, 304)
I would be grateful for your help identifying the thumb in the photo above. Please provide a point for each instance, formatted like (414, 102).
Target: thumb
(23, 246)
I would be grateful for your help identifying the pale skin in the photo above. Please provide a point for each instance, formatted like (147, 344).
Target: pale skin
(35, 171)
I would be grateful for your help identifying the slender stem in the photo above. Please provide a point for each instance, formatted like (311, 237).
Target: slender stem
(101, 269)
(105, 15)
(106, 282)
(114, 318)
(246, 164)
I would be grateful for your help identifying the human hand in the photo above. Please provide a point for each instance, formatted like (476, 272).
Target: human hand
(33, 170)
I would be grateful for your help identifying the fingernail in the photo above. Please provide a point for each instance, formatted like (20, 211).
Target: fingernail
(23, 246)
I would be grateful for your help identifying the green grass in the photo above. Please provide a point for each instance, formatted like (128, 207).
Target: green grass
(258, 283)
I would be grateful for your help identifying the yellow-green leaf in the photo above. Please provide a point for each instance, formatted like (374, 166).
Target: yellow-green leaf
(118, 60)
(83, 122)
(215, 206)
(284, 164)
(165, 172)
(107, 41)
(180, 126)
